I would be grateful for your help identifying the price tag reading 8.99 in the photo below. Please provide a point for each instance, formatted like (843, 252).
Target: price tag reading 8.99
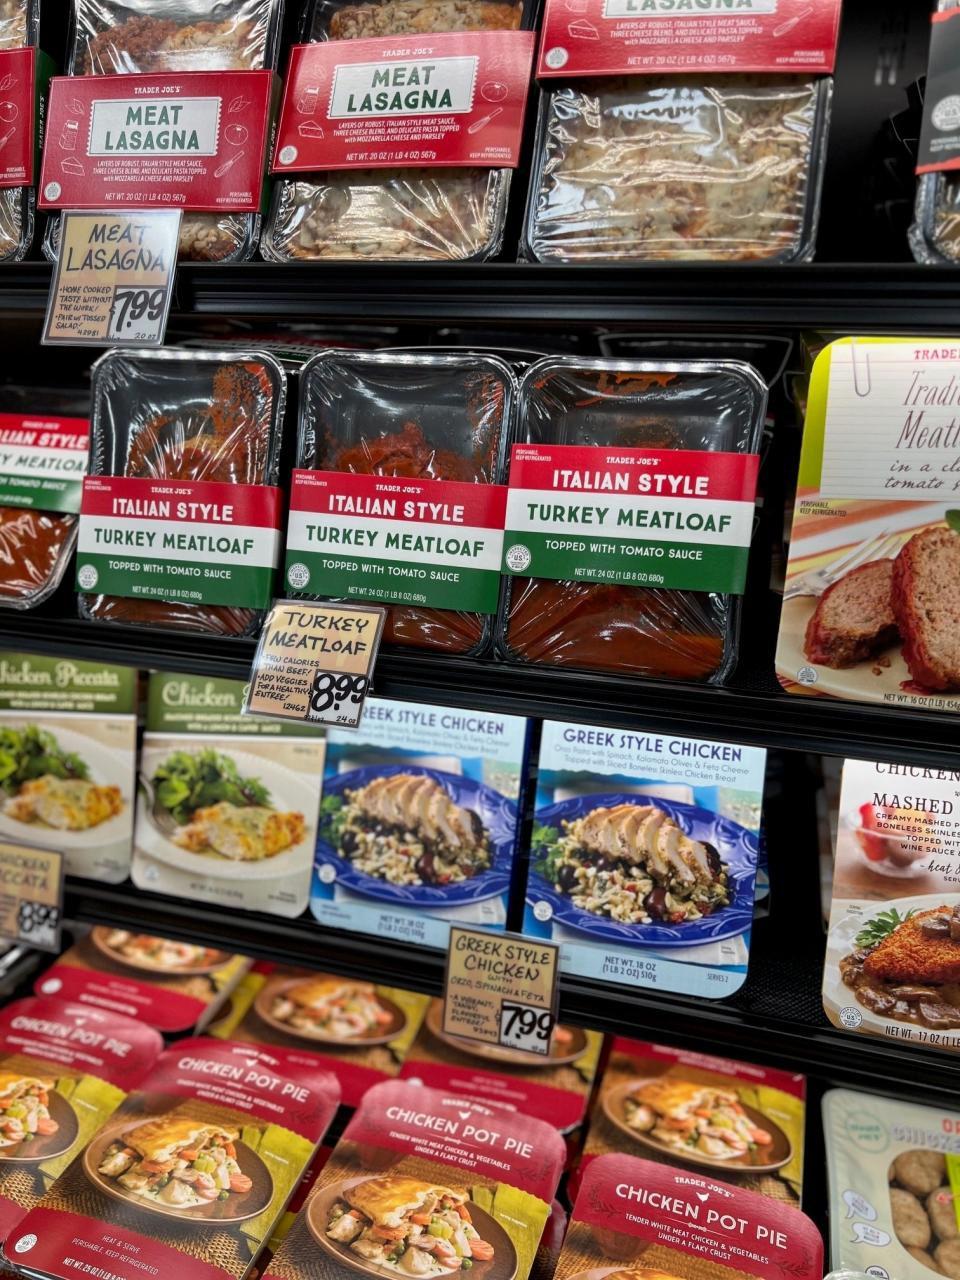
(340, 693)
(524, 1026)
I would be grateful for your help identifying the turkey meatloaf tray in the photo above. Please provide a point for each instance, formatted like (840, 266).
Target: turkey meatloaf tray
(726, 168)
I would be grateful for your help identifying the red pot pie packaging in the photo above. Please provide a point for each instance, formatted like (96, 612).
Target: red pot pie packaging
(636, 1220)
(191, 1174)
(419, 1171)
(64, 1069)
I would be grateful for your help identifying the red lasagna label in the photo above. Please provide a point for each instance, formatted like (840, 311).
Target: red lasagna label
(18, 117)
(638, 37)
(454, 99)
(192, 140)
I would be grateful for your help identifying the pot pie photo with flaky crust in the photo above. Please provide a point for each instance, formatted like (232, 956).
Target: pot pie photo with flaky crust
(331, 1007)
(24, 1108)
(176, 1161)
(694, 1117)
(409, 1226)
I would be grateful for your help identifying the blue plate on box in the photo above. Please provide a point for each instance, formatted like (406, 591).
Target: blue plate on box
(736, 845)
(496, 812)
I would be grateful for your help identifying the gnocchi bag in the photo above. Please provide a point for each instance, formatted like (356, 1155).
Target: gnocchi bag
(64, 1069)
(191, 1174)
(425, 1183)
(633, 1218)
(893, 1169)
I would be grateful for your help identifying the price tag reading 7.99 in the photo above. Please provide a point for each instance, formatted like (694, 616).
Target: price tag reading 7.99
(524, 1026)
(138, 314)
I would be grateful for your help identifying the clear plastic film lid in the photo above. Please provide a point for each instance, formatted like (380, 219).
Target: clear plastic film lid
(935, 234)
(19, 23)
(336, 20)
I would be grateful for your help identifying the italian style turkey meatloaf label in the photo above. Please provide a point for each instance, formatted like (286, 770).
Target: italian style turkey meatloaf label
(194, 140)
(64, 1068)
(425, 100)
(680, 519)
(42, 461)
(618, 37)
(190, 1175)
(202, 542)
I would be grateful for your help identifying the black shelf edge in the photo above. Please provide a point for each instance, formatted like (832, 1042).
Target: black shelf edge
(866, 297)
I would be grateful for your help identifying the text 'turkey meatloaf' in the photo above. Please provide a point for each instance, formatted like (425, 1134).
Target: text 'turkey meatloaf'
(926, 602)
(854, 618)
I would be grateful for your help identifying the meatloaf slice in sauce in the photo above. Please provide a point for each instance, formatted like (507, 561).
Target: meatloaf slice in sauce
(854, 618)
(926, 601)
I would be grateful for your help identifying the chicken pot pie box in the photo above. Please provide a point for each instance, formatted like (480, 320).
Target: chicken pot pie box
(174, 986)
(893, 1168)
(636, 1220)
(419, 821)
(423, 1182)
(64, 1068)
(871, 612)
(68, 749)
(359, 1031)
(735, 1121)
(228, 804)
(643, 857)
(192, 1172)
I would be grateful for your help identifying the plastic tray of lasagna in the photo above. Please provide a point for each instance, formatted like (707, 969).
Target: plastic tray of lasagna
(112, 38)
(716, 406)
(442, 416)
(935, 233)
(19, 25)
(673, 168)
(171, 415)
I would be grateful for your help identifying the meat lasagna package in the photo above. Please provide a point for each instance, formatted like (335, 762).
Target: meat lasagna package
(361, 1032)
(406, 214)
(893, 1169)
(635, 1220)
(64, 1068)
(117, 37)
(554, 1087)
(630, 515)
(734, 1121)
(419, 822)
(643, 857)
(173, 986)
(199, 558)
(870, 610)
(893, 948)
(19, 28)
(192, 1172)
(68, 752)
(424, 1183)
(438, 426)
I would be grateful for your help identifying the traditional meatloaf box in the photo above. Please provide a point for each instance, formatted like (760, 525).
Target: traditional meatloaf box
(68, 746)
(419, 821)
(554, 1088)
(183, 528)
(435, 424)
(229, 804)
(633, 1218)
(360, 1031)
(871, 612)
(422, 1183)
(635, 865)
(892, 1169)
(734, 1121)
(64, 1068)
(192, 1172)
(893, 947)
(19, 29)
(176, 987)
(630, 515)
(115, 37)
(723, 168)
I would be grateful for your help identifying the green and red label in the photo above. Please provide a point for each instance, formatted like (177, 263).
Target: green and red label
(436, 543)
(42, 461)
(196, 541)
(674, 518)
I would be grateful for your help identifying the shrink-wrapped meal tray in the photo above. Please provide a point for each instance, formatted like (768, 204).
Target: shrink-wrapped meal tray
(430, 417)
(935, 234)
(655, 631)
(419, 214)
(110, 37)
(678, 168)
(19, 26)
(198, 417)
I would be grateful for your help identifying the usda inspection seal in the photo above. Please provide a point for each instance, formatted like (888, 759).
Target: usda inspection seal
(88, 577)
(298, 575)
(518, 557)
(850, 1018)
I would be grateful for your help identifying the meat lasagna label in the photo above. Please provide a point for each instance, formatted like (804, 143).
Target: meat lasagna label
(23, 77)
(434, 543)
(451, 99)
(680, 519)
(195, 140)
(42, 461)
(652, 37)
(202, 542)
